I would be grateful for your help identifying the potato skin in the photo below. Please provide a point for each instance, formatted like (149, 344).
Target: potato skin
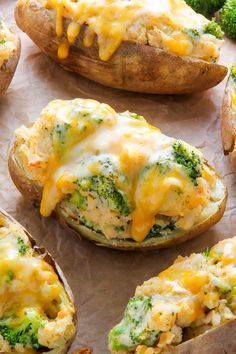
(34, 193)
(133, 67)
(219, 340)
(228, 132)
(49, 259)
(8, 69)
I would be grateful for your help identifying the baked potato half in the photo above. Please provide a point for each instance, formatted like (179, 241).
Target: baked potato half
(9, 56)
(188, 308)
(37, 313)
(114, 178)
(228, 116)
(164, 49)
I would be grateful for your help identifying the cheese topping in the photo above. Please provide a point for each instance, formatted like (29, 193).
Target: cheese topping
(7, 43)
(30, 291)
(168, 24)
(193, 295)
(115, 172)
(232, 92)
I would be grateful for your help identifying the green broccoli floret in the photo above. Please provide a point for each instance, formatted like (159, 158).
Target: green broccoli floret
(192, 32)
(23, 332)
(189, 160)
(205, 7)
(228, 18)
(214, 29)
(133, 329)
(106, 189)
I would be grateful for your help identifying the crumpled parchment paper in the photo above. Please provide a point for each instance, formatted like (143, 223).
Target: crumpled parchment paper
(102, 280)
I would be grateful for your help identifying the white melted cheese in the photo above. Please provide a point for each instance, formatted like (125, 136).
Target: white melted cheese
(95, 131)
(158, 23)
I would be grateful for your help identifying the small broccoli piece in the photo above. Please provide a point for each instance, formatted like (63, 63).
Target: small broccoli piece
(2, 41)
(189, 160)
(133, 329)
(192, 32)
(205, 7)
(9, 277)
(78, 200)
(106, 189)
(22, 246)
(160, 231)
(23, 332)
(233, 72)
(214, 29)
(228, 18)
(206, 253)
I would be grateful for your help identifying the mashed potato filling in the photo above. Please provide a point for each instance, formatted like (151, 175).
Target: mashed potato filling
(35, 310)
(168, 24)
(115, 172)
(7, 43)
(193, 295)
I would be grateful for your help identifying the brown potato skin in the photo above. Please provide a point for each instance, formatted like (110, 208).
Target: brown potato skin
(220, 340)
(8, 69)
(49, 259)
(228, 132)
(133, 67)
(34, 193)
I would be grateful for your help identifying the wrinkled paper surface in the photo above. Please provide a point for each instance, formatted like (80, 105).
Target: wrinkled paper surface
(102, 280)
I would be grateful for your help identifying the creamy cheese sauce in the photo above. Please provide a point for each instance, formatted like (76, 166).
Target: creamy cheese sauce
(7, 43)
(232, 93)
(28, 282)
(159, 23)
(71, 141)
(196, 291)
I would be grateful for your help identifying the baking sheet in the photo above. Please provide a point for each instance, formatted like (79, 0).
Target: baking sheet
(103, 280)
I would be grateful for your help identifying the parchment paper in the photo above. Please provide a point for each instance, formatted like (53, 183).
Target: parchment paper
(103, 280)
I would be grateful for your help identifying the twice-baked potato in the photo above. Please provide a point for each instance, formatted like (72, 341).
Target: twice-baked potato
(37, 313)
(143, 46)
(188, 308)
(9, 56)
(114, 178)
(228, 117)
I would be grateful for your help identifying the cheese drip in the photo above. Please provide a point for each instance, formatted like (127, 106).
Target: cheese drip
(82, 134)
(158, 23)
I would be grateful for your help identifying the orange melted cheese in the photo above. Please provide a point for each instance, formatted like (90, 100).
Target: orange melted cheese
(98, 130)
(114, 21)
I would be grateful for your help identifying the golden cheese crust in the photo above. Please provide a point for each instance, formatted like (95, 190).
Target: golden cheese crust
(133, 67)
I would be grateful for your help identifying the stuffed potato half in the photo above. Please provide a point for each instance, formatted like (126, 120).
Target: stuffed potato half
(188, 308)
(228, 117)
(133, 45)
(114, 178)
(9, 56)
(37, 313)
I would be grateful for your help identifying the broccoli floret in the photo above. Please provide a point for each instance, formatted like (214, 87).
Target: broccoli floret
(9, 277)
(214, 29)
(192, 32)
(78, 200)
(23, 332)
(106, 189)
(133, 330)
(189, 159)
(160, 231)
(228, 18)
(205, 7)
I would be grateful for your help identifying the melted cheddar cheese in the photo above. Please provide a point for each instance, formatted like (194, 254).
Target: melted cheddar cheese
(30, 285)
(115, 172)
(7, 43)
(164, 24)
(196, 293)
